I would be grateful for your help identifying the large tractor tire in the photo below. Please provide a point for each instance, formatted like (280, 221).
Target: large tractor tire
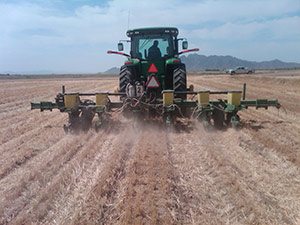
(124, 79)
(179, 80)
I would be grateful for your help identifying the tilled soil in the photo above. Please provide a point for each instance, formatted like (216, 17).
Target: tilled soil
(143, 173)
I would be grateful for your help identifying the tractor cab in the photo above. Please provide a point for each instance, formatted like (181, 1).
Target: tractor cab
(153, 44)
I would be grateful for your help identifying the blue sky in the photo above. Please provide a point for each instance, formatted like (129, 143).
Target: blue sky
(73, 36)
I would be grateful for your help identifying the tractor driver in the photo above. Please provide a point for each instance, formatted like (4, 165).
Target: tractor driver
(154, 51)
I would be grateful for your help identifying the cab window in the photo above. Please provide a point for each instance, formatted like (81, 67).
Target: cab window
(142, 44)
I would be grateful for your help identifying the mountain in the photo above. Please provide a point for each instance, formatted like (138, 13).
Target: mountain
(195, 62)
(112, 71)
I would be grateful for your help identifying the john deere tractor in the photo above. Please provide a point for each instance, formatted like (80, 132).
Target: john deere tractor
(153, 64)
(153, 84)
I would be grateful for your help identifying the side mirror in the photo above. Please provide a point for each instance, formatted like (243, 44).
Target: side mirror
(184, 45)
(120, 47)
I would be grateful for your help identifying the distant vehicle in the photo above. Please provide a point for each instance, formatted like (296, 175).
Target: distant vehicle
(240, 70)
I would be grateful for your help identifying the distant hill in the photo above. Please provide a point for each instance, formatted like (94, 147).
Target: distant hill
(114, 70)
(195, 62)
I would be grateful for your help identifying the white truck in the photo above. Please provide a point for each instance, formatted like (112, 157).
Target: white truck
(240, 70)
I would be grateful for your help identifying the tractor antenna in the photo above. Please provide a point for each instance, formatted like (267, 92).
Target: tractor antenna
(128, 20)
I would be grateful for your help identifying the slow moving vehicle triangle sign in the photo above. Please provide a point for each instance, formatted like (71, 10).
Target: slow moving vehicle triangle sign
(152, 82)
(152, 68)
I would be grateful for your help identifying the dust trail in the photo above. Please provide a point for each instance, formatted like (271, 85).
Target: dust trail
(100, 203)
(146, 196)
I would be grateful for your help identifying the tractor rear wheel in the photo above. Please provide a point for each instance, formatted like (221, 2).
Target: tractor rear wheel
(179, 80)
(124, 78)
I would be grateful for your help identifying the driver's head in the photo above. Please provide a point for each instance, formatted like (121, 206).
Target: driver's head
(155, 43)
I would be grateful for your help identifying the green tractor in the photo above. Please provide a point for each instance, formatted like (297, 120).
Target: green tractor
(153, 84)
(153, 62)
(153, 66)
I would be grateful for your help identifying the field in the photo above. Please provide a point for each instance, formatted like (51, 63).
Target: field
(143, 174)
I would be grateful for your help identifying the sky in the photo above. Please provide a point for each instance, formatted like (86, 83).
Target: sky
(73, 36)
